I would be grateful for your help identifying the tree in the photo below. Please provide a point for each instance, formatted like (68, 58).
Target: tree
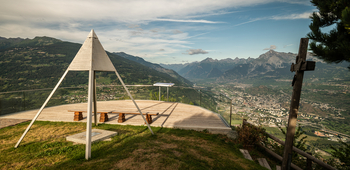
(343, 154)
(332, 47)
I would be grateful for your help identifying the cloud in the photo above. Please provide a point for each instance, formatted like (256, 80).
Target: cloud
(133, 11)
(161, 50)
(287, 45)
(305, 15)
(272, 47)
(154, 30)
(177, 31)
(181, 20)
(134, 26)
(253, 20)
(196, 51)
(121, 25)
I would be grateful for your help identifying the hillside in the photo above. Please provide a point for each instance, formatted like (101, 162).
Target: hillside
(40, 62)
(157, 67)
(45, 147)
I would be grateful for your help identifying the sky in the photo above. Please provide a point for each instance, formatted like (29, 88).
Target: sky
(165, 31)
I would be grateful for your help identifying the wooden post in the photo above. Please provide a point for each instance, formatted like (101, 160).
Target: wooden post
(294, 105)
(309, 162)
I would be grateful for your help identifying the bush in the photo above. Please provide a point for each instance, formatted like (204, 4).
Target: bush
(343, 154)
(250, 135)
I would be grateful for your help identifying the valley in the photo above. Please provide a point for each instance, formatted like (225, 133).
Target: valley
(323, 123)
(260, 90)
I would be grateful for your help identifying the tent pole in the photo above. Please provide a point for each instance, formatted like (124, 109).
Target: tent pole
(42, 107)
(95, 99)
(89, 116)
(121, 81)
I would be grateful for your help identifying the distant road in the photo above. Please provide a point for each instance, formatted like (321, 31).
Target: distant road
(323, 129)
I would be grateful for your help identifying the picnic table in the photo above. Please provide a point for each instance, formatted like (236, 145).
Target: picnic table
(78, 115)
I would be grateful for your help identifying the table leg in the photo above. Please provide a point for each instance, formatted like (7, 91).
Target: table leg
(78, 116)
(103, 117)
(121, 118)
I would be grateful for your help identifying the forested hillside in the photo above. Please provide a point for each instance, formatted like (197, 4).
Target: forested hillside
(40, 62)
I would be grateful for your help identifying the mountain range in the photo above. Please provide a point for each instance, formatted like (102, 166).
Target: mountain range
(270, 65)
(40, 62)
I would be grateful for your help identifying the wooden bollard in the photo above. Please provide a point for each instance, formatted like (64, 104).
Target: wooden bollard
(309, 162)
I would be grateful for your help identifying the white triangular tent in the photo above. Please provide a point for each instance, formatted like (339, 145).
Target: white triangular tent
(91, 57)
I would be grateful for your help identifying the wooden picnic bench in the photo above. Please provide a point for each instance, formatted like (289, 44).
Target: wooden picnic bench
(78, 115)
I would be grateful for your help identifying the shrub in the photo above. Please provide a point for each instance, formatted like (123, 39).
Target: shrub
(250, 135)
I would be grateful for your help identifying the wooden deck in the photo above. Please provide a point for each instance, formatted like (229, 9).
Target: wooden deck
(171, 115)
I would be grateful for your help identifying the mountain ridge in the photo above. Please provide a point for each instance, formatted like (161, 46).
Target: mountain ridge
(157, 67)
(269, 64)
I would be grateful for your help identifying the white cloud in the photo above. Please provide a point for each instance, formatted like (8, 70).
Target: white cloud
(120, 25)
(134, 26)
(177, 31)
(253, 20)
(196, 51)
(272, 47)
(287, 45)
(305, 15)
(181, 20)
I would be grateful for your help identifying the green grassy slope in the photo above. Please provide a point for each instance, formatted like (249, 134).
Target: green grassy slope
(45, 147)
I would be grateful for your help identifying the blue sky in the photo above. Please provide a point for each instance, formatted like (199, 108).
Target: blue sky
(160, 31)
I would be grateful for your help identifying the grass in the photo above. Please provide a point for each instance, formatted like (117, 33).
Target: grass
(236, 122)
(45, 147)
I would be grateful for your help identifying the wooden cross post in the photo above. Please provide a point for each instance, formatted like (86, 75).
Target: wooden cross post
(299, 68)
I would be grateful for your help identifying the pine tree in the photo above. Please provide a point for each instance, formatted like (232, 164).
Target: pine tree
(332, 47)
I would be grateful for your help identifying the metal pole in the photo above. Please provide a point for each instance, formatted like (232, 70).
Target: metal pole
(95, 100)
(159, 93)
(89, 115)
(293, 113)
(231, 112)
(126, 89)
(200, 98)
(41, 109)
(167, 94)
(24, 100)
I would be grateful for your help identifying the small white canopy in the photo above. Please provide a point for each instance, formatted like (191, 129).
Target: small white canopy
(167, 85)
(164, 84)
